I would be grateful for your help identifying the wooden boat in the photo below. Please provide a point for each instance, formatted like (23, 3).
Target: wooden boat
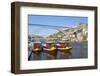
(63, 47)
(50, 48)
(36, 47)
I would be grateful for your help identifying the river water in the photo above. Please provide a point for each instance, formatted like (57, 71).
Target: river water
(79, 50)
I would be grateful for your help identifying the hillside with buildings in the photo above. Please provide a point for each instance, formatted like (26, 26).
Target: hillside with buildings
(76, 33)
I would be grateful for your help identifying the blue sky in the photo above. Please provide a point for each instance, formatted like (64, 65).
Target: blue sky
(65, 21)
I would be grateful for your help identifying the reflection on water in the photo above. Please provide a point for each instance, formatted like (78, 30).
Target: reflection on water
(49, 56)
(79, 50)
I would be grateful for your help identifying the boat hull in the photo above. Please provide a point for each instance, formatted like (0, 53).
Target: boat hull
(64, 49)
(50, 51)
